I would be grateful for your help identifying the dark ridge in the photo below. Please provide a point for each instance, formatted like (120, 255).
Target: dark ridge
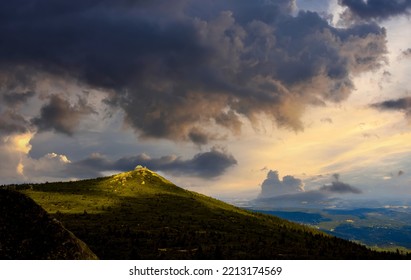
(28, 232)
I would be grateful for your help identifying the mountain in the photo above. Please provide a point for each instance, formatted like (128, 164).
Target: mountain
(28, 232)
(141, 215)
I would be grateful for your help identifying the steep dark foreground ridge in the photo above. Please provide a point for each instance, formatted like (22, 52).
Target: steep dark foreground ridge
(141, 215)
(28, 232)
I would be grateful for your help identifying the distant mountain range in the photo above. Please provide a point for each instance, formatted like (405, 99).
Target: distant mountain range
(384, 228)
(141, 215)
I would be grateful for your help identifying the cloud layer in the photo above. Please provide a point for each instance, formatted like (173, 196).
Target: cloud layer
(209, 164)
(179, 71)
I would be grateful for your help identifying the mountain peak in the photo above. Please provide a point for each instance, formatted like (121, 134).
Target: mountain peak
(141, 180)
(140, 174)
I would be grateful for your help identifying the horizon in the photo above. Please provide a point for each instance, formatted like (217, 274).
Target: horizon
(237, 100)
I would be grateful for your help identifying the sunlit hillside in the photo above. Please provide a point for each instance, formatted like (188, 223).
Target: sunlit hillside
(141, 215)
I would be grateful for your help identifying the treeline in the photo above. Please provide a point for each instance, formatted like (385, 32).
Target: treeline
(201, 240)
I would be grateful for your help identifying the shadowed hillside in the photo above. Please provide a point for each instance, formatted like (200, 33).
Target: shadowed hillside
(28, 232)
(141, 215)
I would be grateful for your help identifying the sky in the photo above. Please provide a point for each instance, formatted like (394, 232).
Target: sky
(235, 99)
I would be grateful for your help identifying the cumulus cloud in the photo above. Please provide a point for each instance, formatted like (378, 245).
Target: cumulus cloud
(377, 9)
(290, 192)
(178, 70)
(59, 115)
(50, 167)
(273, 186)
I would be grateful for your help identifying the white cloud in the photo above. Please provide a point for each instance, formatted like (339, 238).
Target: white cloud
(273, 186)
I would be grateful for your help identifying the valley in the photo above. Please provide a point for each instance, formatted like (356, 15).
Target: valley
(381, 228)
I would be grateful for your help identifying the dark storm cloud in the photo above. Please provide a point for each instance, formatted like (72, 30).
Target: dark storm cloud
(206, 165)
(59, 115)
(377, 9)
(194, 64)
(401, 104)
(12, 122)
(16, 98)
(14, 92)
(198, 137)
(397, 104)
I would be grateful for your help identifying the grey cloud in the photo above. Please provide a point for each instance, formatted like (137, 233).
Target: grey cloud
(15, 91)
(340, 187)
(327, 120)
(12, 122)
(92, 166)
(407, 52)
(195, 64)
(198, 137)
(273, 186)
(377, 9)
(230, 120)
(17, 98)
(59, 115)
(400, 104)
(206, 165)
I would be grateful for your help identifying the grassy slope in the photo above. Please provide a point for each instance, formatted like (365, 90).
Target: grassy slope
(139, 214)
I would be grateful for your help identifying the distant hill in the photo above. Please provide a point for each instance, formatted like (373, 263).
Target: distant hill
(141, 215)
(28, 232)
